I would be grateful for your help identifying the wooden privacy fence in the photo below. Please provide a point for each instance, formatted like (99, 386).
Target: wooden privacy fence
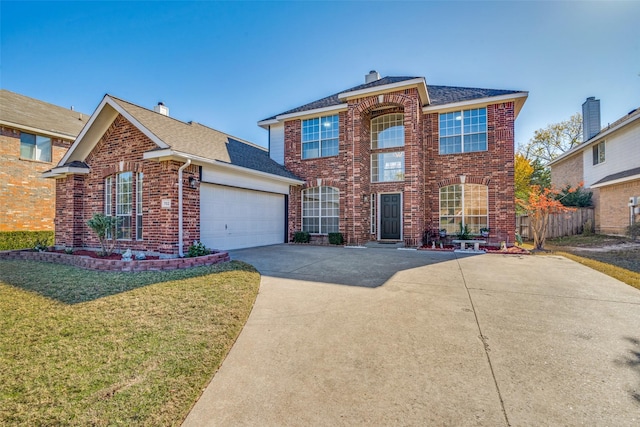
(560, 224)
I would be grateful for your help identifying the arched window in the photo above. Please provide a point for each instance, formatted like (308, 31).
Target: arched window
(465, 204)
(387, 131)
(321, 210)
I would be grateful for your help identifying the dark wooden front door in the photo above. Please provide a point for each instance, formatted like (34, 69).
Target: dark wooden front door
(390, 216)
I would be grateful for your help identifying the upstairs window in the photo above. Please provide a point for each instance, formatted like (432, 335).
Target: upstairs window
(35, 147)
(463, 131)
(387, 167)
(387, 131)
(598, 153)
(320, 137)
(321, 210)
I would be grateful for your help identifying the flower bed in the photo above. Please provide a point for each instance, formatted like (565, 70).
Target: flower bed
(106, 264)
(514, 250)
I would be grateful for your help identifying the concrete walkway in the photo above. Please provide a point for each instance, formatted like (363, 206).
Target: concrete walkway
(390, 337)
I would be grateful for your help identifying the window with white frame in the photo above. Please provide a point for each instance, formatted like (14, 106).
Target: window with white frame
(320, 137)
(464, 204)
(463, 131)
(35, 147)
(387, 131)
(124, 204)
(598, 153)
(321, 210)
(139, 178)
(387, 167)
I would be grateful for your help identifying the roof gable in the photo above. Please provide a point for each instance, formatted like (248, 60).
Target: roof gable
(39, 116)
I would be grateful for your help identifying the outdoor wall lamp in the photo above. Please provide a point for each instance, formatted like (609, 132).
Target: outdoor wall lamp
(193, 182)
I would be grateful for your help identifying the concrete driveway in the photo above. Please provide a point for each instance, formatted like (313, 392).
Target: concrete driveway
(344, 336)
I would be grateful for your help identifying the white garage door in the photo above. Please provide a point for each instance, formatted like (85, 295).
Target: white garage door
(233, 218)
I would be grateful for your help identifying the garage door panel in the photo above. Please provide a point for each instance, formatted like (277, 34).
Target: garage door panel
(233, 218)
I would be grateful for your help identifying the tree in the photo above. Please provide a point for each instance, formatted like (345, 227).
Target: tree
(539, 205)
(523, 172)
(541, 174)
(104, 227)
(550, 142)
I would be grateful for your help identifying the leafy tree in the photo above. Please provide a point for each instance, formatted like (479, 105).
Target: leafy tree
(557, 138)
(104, 227)
(539, 205)
(577, 196)
(523, 172)
(541, 174)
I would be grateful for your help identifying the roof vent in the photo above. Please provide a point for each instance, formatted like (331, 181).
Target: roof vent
(372, 76)
(161, 109)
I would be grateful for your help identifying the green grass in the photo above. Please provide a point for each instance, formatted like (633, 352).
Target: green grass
(80, 347)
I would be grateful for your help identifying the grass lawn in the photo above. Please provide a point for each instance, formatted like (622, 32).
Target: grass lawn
(80, 347)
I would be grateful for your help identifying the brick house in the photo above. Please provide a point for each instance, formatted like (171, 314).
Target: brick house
(169, 182)
(608, 163)
(388, 159)
(34, 135)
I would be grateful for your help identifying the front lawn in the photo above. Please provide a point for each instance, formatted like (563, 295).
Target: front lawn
(80, 347)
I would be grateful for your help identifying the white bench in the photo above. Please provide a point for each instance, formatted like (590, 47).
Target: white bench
(476, 244)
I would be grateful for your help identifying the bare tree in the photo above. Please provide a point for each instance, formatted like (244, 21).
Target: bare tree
(552, 141)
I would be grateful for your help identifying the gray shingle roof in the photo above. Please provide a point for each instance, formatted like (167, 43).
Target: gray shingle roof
(202, 141)
(619, 175)
(439, 95)
(33, 113)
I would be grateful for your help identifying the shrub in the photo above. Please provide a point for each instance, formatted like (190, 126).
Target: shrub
(301, 237)
(198, 249)
(633, 230)
(575, 197)
(336, 239)
(587, 228)
(105, 228)
(11, 240)
(464, 233)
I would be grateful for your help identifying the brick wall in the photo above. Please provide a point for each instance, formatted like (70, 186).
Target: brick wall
(568, 171)
(425, 169)
(27, 200)
(121, 149)
(612, 212)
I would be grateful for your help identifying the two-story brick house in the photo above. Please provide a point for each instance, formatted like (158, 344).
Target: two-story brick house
(385, 160)
(608, 164)
(34, 135)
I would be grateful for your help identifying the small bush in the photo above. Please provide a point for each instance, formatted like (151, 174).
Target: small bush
(11, 240)
(336, 239)
(633, 230)
(464, 233)
(587, 228)
(198, 249)
(578, 197)
(301, 237)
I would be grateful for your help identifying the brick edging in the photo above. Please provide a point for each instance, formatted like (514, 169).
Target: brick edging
(116, 265)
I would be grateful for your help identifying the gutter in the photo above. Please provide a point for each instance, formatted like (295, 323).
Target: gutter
(180, 225)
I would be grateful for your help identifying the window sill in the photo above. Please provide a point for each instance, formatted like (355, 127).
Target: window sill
(35, 161)
(318, 158)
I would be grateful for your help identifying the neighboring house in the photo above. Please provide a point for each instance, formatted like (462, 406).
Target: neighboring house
(34, 135)
(169, 182)
(393, 157)
(608, 162)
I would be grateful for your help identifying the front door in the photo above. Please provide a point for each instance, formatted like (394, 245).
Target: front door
(390, 216)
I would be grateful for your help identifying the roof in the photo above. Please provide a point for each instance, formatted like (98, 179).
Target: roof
(617, 176)
(184, 139)
(32, 114)
(439, 95)
(625, 120)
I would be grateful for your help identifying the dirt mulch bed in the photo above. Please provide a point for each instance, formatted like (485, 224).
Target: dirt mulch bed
(516, 250)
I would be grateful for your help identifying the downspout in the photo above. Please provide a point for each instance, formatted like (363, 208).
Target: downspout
(180, 231)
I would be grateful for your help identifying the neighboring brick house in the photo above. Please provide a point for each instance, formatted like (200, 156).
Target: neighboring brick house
(34, 135)
(388, 159)
(170, 183)
(608, 163)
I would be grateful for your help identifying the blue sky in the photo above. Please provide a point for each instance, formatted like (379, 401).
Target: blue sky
(230, 64)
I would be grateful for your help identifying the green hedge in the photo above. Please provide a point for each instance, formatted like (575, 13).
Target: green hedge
(10, 240)
(301, 237)
(336, 238)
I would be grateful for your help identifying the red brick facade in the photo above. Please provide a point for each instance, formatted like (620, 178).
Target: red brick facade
(121, 149)
(426, 171)
(27, 199)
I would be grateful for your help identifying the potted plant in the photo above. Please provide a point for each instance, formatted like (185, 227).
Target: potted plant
(484, 232)
(443, 233)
